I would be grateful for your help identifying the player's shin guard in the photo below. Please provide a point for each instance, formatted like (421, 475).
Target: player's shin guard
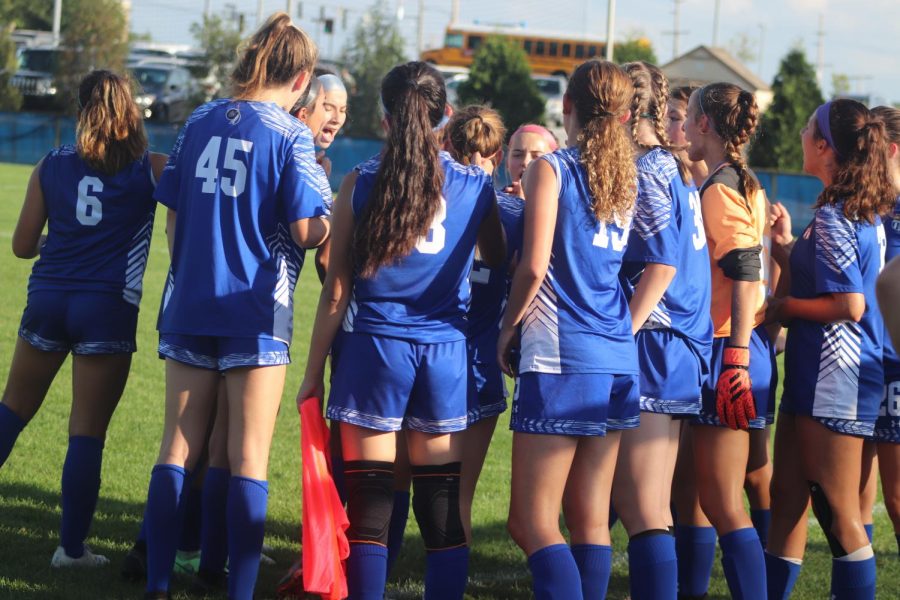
(213, 522)
(436, 506)
(853, 575)
(762, 519)
(554, 574)
(652, 566)
(370, 503)
(11, 425)
(594, 564)
(80, 488)
(399, 516)
(246, 513)
(696, 551)
(743, 563)
(163, 519)
(781, 575)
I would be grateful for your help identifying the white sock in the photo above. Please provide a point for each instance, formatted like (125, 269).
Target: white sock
(864, 553)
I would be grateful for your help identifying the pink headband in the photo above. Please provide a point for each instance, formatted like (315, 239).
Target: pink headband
(541, 131)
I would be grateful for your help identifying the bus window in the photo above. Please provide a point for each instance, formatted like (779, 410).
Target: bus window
(592, 50)
(539, 49)
(567, 49)
(474, 42)
(579, 50)
(527, 46)
(453, 40)
(553, 48)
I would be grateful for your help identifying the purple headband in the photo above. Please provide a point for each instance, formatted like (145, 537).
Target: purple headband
(823, 120)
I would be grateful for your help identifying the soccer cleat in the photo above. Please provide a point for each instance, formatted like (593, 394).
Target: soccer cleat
(134, 567)
(88, 559)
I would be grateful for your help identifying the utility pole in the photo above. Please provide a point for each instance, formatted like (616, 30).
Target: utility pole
(610, 29)
(820, 54)
(207, 9)
(289, 8)
(762, 47)
(57, 19)
(715, 38)
(454, 12)
(259, 12)
(420, 29)
(676, 32)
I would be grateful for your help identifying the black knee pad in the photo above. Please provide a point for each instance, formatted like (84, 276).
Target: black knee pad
(370, 500)
(822, 510)
(436, 505)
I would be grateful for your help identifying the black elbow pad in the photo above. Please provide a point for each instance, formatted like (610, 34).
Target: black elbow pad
(742, 264)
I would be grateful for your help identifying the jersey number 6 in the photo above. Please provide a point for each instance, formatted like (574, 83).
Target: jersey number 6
(88, 209)
(207, 168)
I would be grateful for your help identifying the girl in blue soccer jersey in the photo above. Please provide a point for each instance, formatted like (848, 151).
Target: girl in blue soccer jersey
(887, 428)
(96, 197)
(736, 397)
(666, 278)
(405, 229)
(834, 380)
(526, 144)
(241, 191)
(578, 370)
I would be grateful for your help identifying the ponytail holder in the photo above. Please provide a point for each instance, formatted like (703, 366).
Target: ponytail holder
(541, 131)
(823, 120)
(650, 116)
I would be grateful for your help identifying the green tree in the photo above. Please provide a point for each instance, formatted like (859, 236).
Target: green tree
(840, 84)
(796, 96)
(634, 49)
(500, 77)
(10, 98)
(219, 38)
(375, 47)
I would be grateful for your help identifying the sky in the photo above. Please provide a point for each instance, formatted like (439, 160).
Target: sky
(861, 37)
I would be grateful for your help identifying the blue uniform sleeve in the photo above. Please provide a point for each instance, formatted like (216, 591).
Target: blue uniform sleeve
(654, 234)
(166, 192)
(837, 268)
(300, 182)
(512, 217)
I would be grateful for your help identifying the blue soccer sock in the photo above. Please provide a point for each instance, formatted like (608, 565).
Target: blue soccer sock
(761, 518)
(367, 571)
(11, 425)
(870, 530)
(399, 516)
(213, 522)
(594, 565)
(853, 576)
(781, 575)
(554, 574)
(80, 488)
(190, 527)
(696, 551)
(162, 517)
(246, 514)
(743, 563)
(652, 566)
(446, 573)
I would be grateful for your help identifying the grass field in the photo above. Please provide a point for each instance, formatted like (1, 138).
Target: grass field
(29, 482)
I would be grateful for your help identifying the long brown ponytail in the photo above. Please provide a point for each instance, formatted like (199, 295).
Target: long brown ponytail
(734, 115)
(109, 133)
(474, 129)
(409, 183)
(601, 93)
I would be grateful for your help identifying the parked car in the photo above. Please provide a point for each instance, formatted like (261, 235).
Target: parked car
(166, 91)
(552, 88)
(35, 77)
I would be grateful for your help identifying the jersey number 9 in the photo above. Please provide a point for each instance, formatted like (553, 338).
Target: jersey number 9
(208, 171)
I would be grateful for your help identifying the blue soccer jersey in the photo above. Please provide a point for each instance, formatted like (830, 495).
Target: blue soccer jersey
(490, 286)
(892, 237)
(668, 229)
(579, 321)
(424, 296)
(99, 226)
(240, 172)
(833, 371)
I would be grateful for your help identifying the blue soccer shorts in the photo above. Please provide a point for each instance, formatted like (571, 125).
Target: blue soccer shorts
(490, 385)
(388, 384)
(763, 376)
(223, 353)
(79, 322)
(671, 373)
(575, 403)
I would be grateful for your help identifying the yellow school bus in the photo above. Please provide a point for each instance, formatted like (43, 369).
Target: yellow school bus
(548, 53)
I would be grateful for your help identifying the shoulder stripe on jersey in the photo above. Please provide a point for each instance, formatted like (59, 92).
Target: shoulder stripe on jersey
(137, 263)
(836, 240)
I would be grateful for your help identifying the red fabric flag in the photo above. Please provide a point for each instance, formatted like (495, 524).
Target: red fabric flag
(325, 545)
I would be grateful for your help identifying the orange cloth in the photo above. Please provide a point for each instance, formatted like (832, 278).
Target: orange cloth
(732, 223)
(325, 545)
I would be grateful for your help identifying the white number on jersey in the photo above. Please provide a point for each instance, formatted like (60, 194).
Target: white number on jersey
(603, 236)
(88, 209)
(699, 236)
(433, 242)
(890, 405)
(208, 171)
(882, 244)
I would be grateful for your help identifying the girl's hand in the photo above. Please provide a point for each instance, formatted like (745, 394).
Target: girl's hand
(515, 188)
(775, 311)
(507, 351)
(310, 388)
(780, 224)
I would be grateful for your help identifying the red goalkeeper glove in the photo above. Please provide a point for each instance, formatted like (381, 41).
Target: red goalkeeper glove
(734, 394)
